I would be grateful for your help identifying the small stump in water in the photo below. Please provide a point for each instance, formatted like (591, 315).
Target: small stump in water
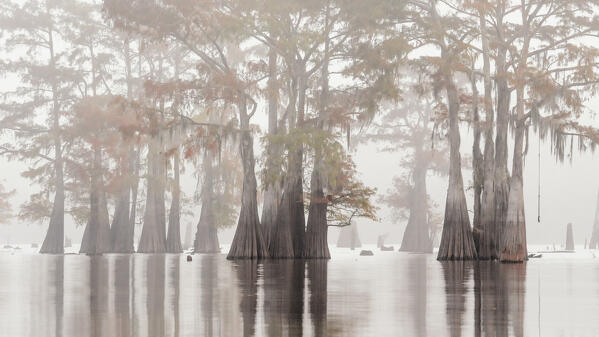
(189, 258)
(366, 253)
(569, 237)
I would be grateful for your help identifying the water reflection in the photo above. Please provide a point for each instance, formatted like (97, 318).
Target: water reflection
(247, 275)
(408, 295)
(456, 274)
(317, 290)
(122, 295)
(59, 293)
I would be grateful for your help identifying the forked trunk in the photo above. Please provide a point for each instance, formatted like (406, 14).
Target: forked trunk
(316, 245)
(206, 239)
(416, 237)
(456, 240)
(477, 168)
(280, 245)
(487, 244)
(594, 243)
(96, 237)
(296, 205)
(173, 239)
(121, 231)
(248, 242)
(272, 192)
(513, 244)
(287, 236)
(134, 192)
(501, 176)
(153, 234)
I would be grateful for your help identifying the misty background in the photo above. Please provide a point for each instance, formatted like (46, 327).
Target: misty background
(568, 191)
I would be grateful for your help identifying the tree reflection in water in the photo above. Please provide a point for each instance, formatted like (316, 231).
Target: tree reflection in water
(163, 295)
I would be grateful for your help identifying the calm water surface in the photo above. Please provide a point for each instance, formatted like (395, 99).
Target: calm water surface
(390, 294)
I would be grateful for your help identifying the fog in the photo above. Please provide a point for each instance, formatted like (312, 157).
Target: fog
(281, 167)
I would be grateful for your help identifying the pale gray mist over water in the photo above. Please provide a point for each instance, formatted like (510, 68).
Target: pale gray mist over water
(389, 295)
(202, 168)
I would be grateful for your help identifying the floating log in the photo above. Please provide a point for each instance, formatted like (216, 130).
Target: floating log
(366, 253)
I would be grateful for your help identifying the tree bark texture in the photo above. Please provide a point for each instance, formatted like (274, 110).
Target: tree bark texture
(121, 230)
(487, 244)
(416, 237)
(456, 240)
(96, 237)
(206, 239)
(272, 191)
(248, 242)
(173, 238)
(153, 233)
(513, 244)
(316, 245)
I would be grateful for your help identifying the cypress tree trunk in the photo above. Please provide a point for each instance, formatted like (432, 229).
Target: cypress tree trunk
(272, 193)
(153, 236)
(501, 176)
(487, 244)
(248, 242)
(513, 244)
(296, 211)
(456, 240)
(121, 239)
(54, 240)
(416, 237)
(121, 233)
(206, 239)
(594, 243)
(134, 191)
(280, 245)
(270, 206)
(96, 237)
(173, 239)
(477, 168)
(316, 245)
